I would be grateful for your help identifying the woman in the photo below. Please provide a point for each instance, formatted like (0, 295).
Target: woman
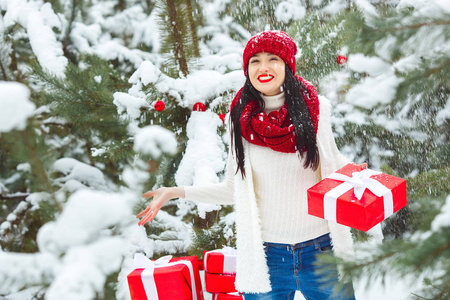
(282, 144)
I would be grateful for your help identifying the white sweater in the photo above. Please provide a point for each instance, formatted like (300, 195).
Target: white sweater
(270, 202)
(280, 182)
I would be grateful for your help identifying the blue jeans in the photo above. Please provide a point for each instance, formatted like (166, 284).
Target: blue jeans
(292, 267)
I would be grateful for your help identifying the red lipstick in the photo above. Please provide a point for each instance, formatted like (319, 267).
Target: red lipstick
(264, 78)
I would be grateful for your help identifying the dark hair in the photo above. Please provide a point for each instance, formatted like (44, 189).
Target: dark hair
(294, 91)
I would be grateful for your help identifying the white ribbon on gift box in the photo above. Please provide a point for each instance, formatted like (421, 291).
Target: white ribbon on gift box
(359, 182)
(229, 259)
(141, 261)
(215, 296)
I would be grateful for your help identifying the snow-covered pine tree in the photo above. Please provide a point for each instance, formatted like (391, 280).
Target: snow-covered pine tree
(396, 111)
(77, 161)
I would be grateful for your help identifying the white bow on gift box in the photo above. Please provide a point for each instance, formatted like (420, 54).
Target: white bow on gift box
(360, 181)
(148, 280)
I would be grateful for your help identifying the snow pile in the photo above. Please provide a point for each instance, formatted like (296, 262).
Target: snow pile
(77, 251)
(429, 8)
(155, 140)
(86, 214)
(78, 175)
(130, 104)
(92, 252)
(444, 114)
(15, 106)
(442, 220)
(334, 6)
(291, 10)
(205, 156)
(38, 22)
(428, 42)
(197, 86)
(379, 88)
(19, 269)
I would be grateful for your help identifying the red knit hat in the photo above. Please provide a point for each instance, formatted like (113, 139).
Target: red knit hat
(272, 41)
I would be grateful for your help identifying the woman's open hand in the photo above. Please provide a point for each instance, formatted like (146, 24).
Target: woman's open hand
(160, 197)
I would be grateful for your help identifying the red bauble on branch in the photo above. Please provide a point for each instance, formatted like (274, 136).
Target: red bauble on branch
(199, 107)
(341, 59)
(222, 117)
(159, 105)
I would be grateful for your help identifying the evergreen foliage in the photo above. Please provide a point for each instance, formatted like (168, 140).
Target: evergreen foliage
(180, 40)
(84, 104)
(248, 14)
(416, 149)
(320, 39)
(78, 118)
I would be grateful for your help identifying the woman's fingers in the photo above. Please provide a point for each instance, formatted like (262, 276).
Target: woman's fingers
(143, 212)
(148, 194)
(160, 197)
(149, 215)
(145, 219)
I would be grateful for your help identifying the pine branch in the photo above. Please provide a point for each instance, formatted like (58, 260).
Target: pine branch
(434, 254)
(378, 259)
(37, 168)
(415, 26)
(180, 55)
(121, 5)
(427, 184)
(193, 28)
(88, 152)
(419, 296)
(19, 198)
(5, 77)
(66, 40)
(444, 292)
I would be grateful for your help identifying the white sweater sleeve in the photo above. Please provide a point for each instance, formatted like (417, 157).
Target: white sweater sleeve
(215, 193)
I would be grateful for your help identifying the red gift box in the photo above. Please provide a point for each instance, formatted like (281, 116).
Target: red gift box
(165, 279)
(220, 261)
(356, 197)
(200, 263)
(220, 283)
(222, 296)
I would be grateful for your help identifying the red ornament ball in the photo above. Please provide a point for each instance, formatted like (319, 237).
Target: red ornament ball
(199, 107)
(222, 117)
(159, 105)
(341, 59)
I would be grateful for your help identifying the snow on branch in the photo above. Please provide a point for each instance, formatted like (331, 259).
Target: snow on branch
(15, 106)
(38, 22)
(155, 140)
(204, 158)
(200, 84)
(380, 87)
(78, 175)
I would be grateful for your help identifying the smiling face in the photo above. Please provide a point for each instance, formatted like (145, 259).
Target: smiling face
(267, 73)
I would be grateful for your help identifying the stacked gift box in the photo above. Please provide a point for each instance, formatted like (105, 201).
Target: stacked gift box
(220, 273)
(165, 279)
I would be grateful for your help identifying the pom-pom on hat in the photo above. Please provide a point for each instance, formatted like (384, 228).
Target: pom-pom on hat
(272, 41)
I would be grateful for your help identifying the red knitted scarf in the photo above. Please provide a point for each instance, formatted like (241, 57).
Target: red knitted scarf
(275, 130)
